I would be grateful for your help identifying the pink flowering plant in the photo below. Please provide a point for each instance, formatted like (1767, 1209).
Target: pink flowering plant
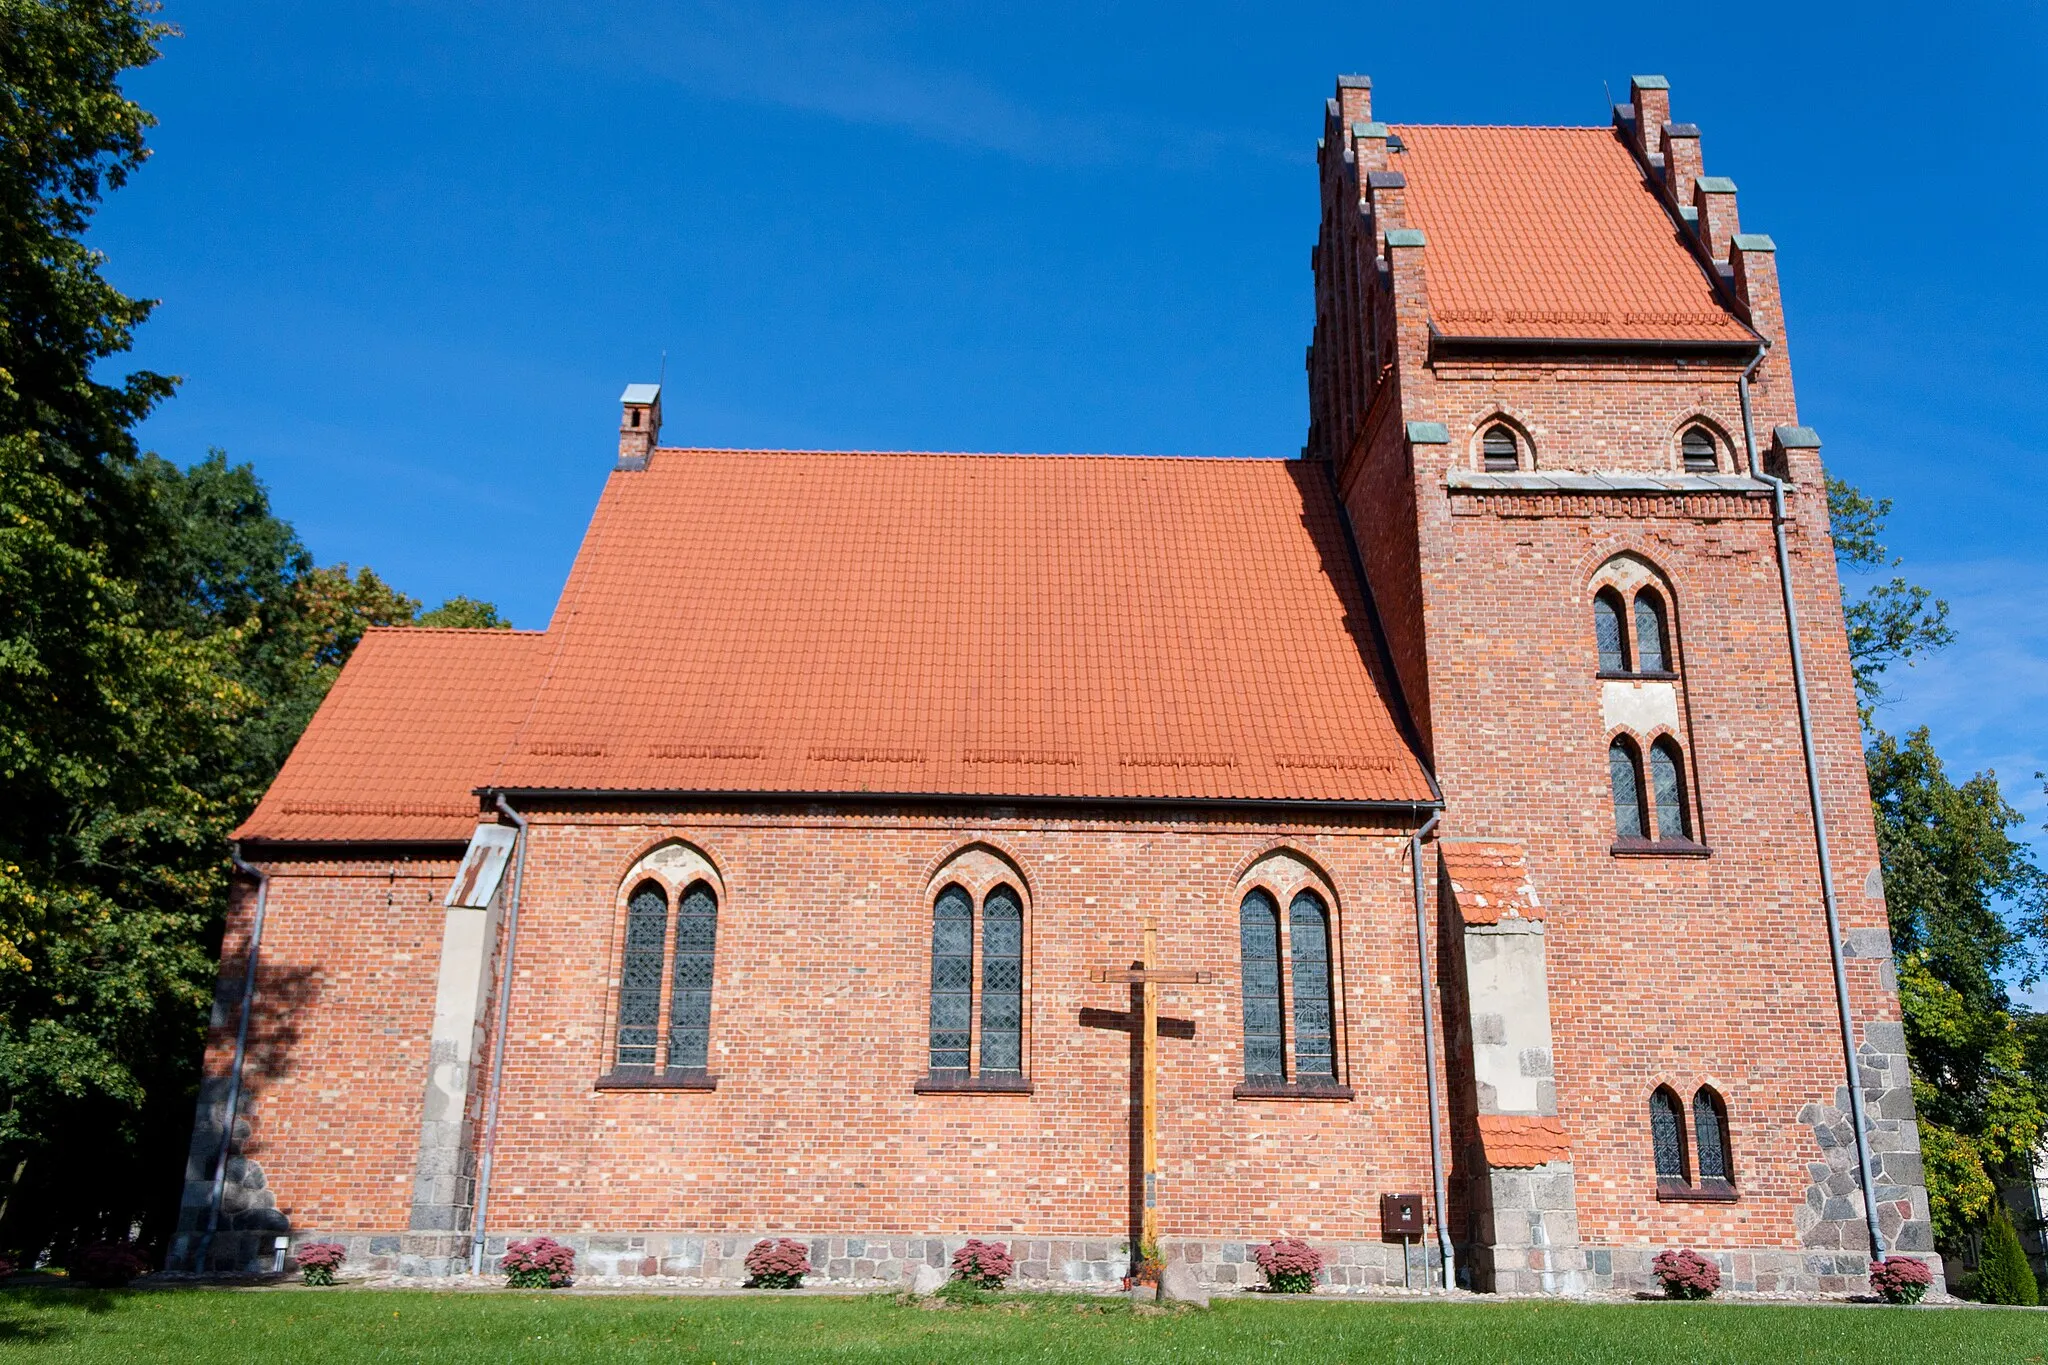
(107, 1265)
(984, 1265)
(319, 1260)
(777, 1263)
(538, 1263)
(1686, 1274)
(1289, 1265)
(1900, 1279)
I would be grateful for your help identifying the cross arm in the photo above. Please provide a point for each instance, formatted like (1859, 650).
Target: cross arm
(1138, 976)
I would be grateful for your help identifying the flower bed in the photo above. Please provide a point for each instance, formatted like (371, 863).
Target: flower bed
(1289, 1265)
(777, 1263)
(983, 1264)
(1686, 1274)
(1900, 1279)
(319, 1260)
(538, 1263)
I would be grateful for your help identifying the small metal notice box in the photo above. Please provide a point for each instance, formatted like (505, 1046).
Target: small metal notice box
(1400, 1216)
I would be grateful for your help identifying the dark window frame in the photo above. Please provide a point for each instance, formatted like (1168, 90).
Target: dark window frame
(643, 967)
(1625, 748)
(1314, 990)
(985, 983)
(1670, 1158)
(1615, 658)
(1690, 443)
(1264, 1061)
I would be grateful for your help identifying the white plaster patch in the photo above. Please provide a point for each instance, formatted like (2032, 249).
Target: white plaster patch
(676, 864)
(1639, 706)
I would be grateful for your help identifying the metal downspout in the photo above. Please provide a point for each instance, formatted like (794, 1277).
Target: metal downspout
(1436, 1148)
(483, 1175)
(227, 1130)
(1820, 821)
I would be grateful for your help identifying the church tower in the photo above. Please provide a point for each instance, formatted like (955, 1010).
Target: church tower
(1550, 382)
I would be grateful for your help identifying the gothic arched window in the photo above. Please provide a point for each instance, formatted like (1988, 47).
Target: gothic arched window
(1002, 982)
(1667, 1137)
(1697, 448)
(1667, 782)
(689, 1009)
(1609, 632)
(640, 975)
(1625, 772)
(1710, 1129)
(952, 1031)
(1653, 640)
(1308, 932)
(1499, 451)
(1258, 927)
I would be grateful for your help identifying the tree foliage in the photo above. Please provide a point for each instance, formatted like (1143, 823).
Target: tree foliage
(163, 639)
(1968, 910)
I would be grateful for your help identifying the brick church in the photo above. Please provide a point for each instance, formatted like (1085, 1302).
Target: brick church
(1494, 765)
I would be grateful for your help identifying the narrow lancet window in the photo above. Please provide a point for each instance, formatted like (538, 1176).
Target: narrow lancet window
(689, 1008)
(952, 980)
(1697, 449)
(1002, 982)
(1258, 922)
(1710, 1130)
(1499, 451)
(1653, 652)
(1667, 778)
(640, 975)
(1608, 632)
(1308, 932)
(1667, 1138)
(1625, 772)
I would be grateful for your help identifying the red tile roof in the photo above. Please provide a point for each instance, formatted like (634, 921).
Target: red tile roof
(1522, 1140)
(974, 625)
(1489, 880)
(412, 726)
(1551, 232)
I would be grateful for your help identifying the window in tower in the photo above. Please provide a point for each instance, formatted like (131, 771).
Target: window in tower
(1499, 450)
(1699, 450)
(1609, 632)
(1625, 772)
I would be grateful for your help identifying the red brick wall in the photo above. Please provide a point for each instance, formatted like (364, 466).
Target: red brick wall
(337, 1058)
(819, 1031)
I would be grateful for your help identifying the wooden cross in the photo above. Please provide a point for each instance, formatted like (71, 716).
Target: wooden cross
(1146, 975)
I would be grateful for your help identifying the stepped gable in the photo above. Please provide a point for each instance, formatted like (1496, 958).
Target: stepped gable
(411, 727)
(973, 625)
(1538, 233)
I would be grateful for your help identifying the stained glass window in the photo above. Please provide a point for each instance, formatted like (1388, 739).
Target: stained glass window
(1613, 640)
(1308, 930)
(952, 980)
(640, 975)
(1710, 1129)
(1002, 982)
(1697, 446)
(1627, 778)
(1652, 652)
(1258, 924)
(689, 1029)
(1499, 450)
(1667, 1136)
(1667, 778)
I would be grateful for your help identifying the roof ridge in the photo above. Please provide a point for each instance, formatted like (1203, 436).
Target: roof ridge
(415, 628)
(1515, 127)
(981, 455)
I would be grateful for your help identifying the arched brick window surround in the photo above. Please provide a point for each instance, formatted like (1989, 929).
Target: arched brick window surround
(1301, 994)
(659, 1007)
(977, 909)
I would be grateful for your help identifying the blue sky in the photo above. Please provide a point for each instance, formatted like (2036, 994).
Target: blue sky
(410, 253)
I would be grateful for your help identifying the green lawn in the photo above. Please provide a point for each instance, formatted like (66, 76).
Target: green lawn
(335, 1326)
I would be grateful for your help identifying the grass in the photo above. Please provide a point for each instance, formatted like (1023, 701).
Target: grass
(340, 1326)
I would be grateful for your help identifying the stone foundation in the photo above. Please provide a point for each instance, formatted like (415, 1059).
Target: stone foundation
(1768, 1270)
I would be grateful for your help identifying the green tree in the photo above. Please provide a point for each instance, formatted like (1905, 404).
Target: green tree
(465, 613)
(1891, 623)
(1968, 909)
(2003, 1276)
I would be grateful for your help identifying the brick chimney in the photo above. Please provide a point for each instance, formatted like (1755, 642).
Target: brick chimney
(1713, 200)
(639, 424)
(1651, 96)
